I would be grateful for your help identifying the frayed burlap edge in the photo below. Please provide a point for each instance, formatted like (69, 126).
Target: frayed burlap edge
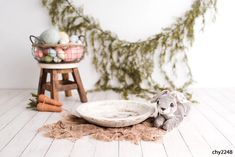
(73, 128)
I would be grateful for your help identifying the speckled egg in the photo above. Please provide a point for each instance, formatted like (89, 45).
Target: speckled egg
(52, 52)
(64, 38)
(50, 36)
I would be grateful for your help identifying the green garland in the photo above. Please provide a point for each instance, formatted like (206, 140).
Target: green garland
(131, 64)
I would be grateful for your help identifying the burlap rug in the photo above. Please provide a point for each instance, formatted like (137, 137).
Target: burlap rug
(73, 128)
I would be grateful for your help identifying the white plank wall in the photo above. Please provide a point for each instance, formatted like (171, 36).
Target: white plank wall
(209, 126)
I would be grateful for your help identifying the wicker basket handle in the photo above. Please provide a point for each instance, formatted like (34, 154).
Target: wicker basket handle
(82, 38)
(33, 38)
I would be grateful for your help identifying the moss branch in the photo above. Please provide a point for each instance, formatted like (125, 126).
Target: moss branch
(131, 64)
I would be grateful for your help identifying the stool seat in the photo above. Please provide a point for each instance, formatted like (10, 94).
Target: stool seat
(58, 65)
(54, 85)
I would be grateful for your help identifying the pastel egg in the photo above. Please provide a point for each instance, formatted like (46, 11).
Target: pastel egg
(38, 53)
(60, 53)
(52, 52)
(45, 52)
(74, 39)
(50, 36)
(59, 50)
(64, 38)
(47, 59)
(57, 60)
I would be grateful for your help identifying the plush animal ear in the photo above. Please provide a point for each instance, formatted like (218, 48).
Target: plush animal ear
(180, 98)
(165, 92)
(174, 95)
(155, 98)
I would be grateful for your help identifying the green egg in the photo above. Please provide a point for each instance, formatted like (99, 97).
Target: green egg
(47, 59)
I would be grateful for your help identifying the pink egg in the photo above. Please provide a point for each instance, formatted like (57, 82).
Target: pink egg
(46, 52)
(58, 49)
(38, 53)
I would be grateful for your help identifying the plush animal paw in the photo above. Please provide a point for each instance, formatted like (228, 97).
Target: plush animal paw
(158, 122)
(168, 125)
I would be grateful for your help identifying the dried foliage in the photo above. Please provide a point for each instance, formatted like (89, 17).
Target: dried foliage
(33, 102)
(131, 64)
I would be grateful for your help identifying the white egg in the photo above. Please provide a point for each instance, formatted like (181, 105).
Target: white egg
(57, 60)
(60, 53)
(64, 38)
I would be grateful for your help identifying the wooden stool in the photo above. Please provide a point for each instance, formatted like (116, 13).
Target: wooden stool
(55, 85)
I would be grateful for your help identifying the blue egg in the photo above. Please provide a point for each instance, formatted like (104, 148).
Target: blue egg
(52, 52)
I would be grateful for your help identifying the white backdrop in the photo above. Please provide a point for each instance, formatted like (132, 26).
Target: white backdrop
(211, 57)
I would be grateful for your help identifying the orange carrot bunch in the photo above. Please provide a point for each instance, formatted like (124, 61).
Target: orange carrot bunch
(44, 104)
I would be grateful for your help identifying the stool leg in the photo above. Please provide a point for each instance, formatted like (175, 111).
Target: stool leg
(54, 85)
(65, 77)
(78, 81)
(42, 81)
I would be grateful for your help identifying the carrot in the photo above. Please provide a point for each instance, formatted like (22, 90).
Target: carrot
(44, 99)
(48, 108)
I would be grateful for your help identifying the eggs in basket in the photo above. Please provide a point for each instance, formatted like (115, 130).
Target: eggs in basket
(53, 46)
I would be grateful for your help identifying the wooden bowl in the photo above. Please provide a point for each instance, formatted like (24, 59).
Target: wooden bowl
(115, 113)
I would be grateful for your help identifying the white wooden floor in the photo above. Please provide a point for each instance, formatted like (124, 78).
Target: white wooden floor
(210, 126)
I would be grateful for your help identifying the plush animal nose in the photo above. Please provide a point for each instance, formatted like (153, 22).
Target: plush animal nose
(162, 108)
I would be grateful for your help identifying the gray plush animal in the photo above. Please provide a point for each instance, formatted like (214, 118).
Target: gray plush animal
(172, 108)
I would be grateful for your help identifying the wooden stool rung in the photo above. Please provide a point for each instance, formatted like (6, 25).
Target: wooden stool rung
(67, 87)
(63, 85)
